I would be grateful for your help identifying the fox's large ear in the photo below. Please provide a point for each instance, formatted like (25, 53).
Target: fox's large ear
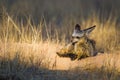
(88, 30)
(77, 27)
(77, 31)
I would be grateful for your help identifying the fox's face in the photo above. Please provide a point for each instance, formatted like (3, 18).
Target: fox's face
(79, 34)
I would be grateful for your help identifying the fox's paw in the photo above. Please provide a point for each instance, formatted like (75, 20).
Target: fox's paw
(62, 52)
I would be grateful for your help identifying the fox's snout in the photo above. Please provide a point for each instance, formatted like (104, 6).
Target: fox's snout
(75, 39)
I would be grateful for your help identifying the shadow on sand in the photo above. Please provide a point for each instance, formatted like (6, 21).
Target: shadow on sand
(21, 70)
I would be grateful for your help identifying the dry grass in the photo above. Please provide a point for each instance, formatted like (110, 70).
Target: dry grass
(30, 50)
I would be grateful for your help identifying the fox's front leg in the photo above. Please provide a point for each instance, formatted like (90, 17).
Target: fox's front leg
(64, 52)
(67, 51)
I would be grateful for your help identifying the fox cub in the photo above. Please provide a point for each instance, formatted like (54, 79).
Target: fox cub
(80, 46)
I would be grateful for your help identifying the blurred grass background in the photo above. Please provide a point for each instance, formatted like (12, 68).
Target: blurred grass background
(29, 28)
(57, 11)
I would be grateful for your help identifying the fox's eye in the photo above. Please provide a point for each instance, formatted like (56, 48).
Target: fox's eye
(72, 37)
(78, 37)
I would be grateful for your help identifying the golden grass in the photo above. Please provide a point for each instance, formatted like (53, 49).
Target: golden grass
(27, 47)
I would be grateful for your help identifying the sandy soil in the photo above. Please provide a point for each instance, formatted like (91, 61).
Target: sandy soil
(106, 60)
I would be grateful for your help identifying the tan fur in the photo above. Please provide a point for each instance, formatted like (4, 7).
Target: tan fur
(83, 48)
(80, 46)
